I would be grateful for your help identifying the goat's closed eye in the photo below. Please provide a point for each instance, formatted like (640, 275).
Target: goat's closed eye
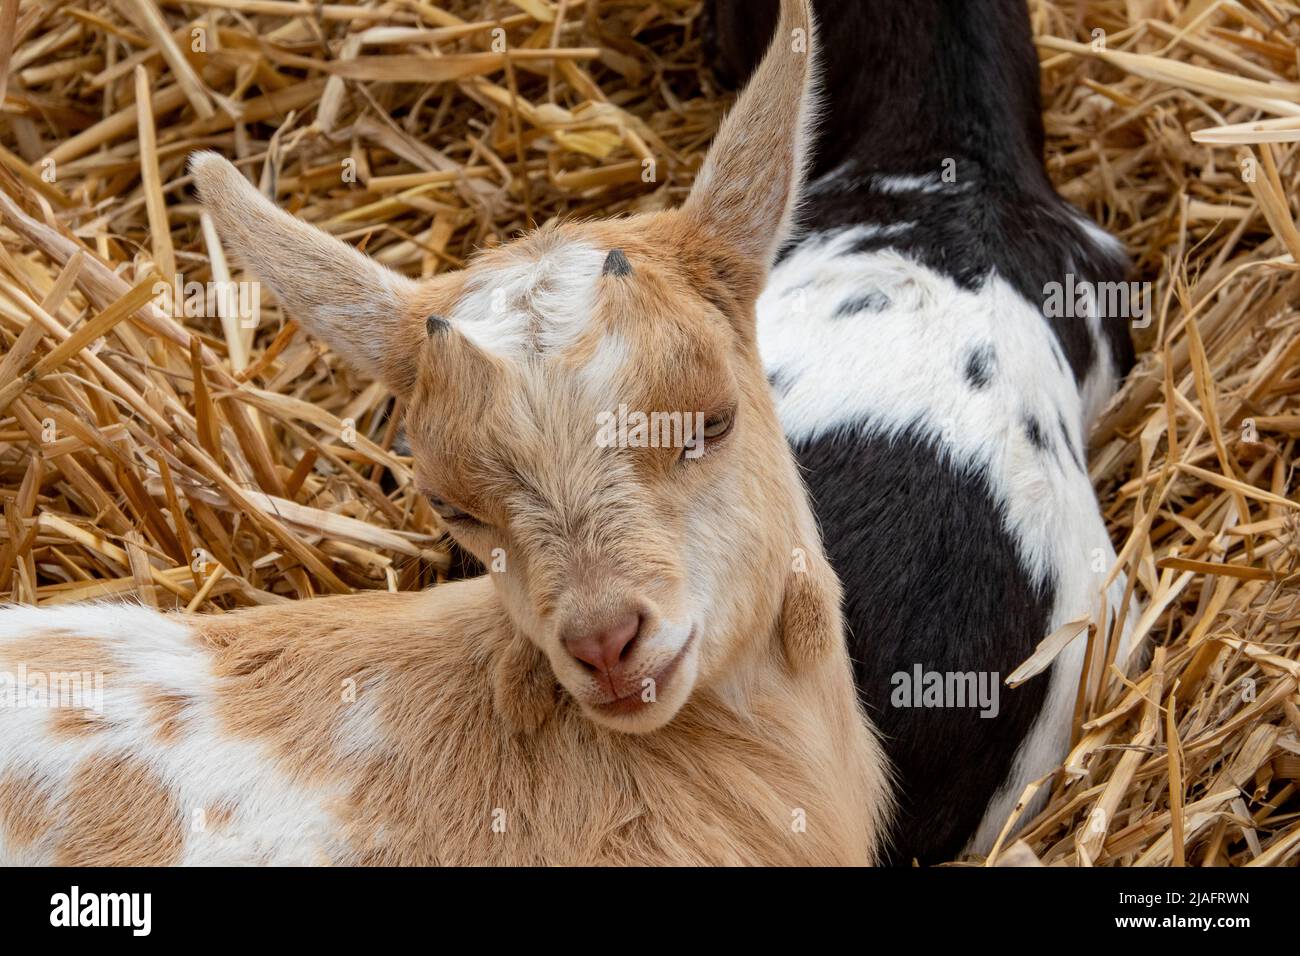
(718, 425)
(715, 428)
(449, 512)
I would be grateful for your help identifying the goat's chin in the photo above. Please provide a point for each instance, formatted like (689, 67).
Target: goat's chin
(638, 717)
(634, 714)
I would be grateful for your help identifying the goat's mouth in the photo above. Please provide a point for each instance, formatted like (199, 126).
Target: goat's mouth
(638, 701)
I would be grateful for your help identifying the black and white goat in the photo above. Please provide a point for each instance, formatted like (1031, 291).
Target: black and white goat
(940, 413)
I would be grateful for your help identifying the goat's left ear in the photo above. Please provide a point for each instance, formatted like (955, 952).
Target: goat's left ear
(364, 311)
(747, 188)
(811, 618)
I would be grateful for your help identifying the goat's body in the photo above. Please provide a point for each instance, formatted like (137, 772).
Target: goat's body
(956, 509)
(367, 730)
(940, 416)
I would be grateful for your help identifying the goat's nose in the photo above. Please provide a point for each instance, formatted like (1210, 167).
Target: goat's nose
(604, 648)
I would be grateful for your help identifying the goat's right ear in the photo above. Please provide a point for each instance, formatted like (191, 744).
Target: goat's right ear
(812, 622)
(524, 688)
(746, 190)
(361, 309)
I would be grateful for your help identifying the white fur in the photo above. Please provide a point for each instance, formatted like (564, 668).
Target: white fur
(603, 374)
(531, 305)
(841, 180)
(1108, 244)
(928, 183)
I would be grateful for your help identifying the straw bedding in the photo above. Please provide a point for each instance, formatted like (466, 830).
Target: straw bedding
(186, 458)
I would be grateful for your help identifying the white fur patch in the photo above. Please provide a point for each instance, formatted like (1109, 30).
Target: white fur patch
(842, 180)
(603, 375)
(1108, 244)
(929, 183)
(531, 305)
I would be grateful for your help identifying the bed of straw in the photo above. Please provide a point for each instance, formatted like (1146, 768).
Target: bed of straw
(170, 450)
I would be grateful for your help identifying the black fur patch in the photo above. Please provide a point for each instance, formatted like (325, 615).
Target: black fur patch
(870, 302)
(931, 577)
(1069, 443)
(436, 325)
(1034, 432)
(980, 362)
(779, 382)
(616, 264)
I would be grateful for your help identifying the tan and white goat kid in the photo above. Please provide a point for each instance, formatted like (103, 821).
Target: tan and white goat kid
(657, 676)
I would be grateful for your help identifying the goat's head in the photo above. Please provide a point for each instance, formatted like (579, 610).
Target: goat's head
(640, 571)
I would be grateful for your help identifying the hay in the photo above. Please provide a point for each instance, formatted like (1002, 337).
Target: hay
(1174, 127)
(189, 461)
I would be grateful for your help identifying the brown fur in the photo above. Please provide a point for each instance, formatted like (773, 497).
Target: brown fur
(169, 712)
(27, 809)
(219, 817)
(55, 651)
(747, 188)
(118, 813)
(77, 723)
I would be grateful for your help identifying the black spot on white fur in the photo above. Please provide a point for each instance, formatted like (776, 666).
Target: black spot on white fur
(1034, 432)
(1069, 442)
(980, 362)
(779, 382)
(909, 86)
(616, 264)
(874, 301)
(436, 325)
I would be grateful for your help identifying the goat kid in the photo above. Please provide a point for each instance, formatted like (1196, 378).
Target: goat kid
(705, 709)
(937, 401)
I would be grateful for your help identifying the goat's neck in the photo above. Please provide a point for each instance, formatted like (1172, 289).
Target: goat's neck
(909, 83)
(948, 79)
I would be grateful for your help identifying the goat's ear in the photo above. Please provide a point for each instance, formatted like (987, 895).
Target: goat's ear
(811, 619)
(361, 309)
(747, 188)
(524, 688)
